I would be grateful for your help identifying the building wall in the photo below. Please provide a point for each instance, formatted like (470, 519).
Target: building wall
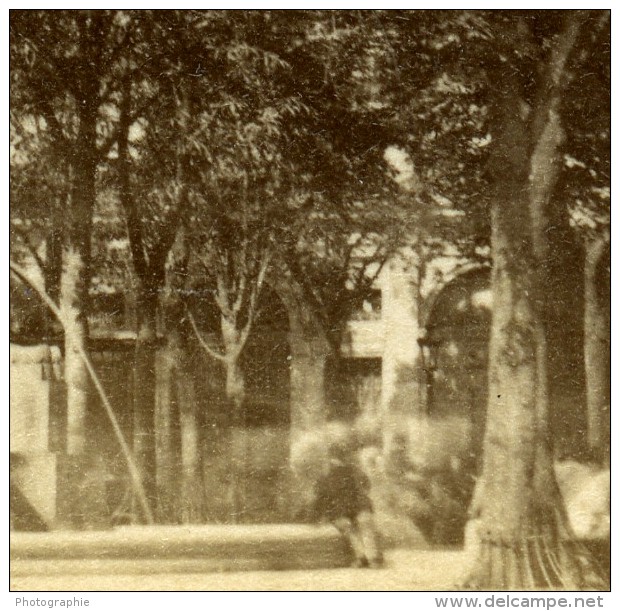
(33, 370)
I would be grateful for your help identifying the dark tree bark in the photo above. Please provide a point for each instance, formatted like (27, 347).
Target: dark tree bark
(562, 266)
(179, 433)
(597, 333)
(53, 264)
(180, 430)
(144, 384)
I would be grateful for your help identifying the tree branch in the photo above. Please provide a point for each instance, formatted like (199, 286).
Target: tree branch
(134, 225)
(201, 341)
(222, 296)
(301, 277)
(240, 290)
(25, 237)
(106, 146)
(170, 226)
(549, 131)
(64, 144)
(254, 294)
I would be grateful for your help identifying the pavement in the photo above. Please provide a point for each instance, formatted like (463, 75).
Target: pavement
(404, 570)
(271, 557)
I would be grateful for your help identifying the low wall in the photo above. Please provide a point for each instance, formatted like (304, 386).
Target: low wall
(181, 549)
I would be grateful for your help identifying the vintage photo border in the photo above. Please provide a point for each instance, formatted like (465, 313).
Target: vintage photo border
(420, 600)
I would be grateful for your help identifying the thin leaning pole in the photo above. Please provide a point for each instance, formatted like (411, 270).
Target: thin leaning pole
(23, 275)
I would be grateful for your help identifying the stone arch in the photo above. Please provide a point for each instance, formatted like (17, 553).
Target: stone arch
(457, 328)
(459, 274)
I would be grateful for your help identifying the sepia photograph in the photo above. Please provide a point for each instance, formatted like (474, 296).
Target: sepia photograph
(310, 300)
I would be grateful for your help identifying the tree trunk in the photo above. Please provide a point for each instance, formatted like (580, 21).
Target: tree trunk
(516, 500)
(235, 388)
(76, 334)
(150, 268)
(144, 391)
(75, 280)
(179, 432)
(192, 492)
(168, 439)
(235, 395)
(53, 264)
(73, 303)
(235, 383)
(597, 352)
(523, 529)
(309, 354)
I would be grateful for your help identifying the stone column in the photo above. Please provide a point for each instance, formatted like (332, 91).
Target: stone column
(400, 394)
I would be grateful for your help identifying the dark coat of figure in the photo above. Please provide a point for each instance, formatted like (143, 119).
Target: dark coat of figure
(342, 498)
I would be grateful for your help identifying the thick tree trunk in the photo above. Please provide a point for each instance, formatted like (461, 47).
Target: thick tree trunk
(597, 335)
(558, 258)
(522, 526)
(75, 281)
(235, 382)
(150, 267)
(76, 335)
(73, 303)
(75, 487)
(53, 264)
(234, 341)
(235, 395)
(235, 388)
(517, 501)
(308, 370)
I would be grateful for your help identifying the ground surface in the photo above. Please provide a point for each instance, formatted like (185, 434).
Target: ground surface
(404, 570)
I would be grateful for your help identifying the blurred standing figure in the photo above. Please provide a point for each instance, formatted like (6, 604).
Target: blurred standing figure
(342, 498)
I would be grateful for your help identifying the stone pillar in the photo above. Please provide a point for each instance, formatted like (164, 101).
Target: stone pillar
(400, 394)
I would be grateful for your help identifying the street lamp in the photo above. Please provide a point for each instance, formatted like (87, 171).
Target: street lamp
(428, 352)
